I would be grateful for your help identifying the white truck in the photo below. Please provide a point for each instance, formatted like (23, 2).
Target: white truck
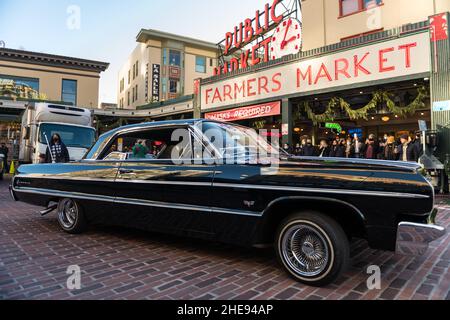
(41, 120)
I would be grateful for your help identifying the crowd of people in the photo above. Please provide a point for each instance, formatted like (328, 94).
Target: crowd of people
(407, 148)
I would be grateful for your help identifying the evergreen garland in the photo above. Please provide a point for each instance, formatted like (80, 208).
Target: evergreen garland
(363, 113)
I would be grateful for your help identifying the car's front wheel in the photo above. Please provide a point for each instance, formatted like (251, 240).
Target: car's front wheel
(71, 217)
(313, 248)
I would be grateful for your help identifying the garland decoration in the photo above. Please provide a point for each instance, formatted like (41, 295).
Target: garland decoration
(378, 97)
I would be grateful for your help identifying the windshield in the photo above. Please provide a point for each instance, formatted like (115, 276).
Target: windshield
(233, 141)
(71, 136)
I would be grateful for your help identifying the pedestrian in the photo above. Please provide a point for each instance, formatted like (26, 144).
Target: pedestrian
(57, 151)
(349, 148)
(4, 151)
(140, 150)
(357, 147)
(308, 149)
(298, 150)
(407, 150)
(324, 149)
(337, 150)
(418, 144)
(371, 148)
(340, 153)
(390, 149)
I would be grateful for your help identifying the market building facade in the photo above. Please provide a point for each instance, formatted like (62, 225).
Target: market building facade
(364, 81)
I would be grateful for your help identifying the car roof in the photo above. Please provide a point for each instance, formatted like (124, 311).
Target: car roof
(145, 125)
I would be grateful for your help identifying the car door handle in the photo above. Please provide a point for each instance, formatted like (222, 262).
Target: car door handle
(125, 171)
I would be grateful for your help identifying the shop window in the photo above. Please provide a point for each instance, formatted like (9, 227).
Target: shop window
(165, 60)
(200, 64)
(348, 7)
(69, 91)
(174, 86)
(175, 58)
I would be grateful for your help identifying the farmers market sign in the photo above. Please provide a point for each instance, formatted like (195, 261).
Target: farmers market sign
(407, 56)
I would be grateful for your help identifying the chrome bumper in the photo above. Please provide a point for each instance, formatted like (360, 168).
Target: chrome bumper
(415, 238)
(13, 195)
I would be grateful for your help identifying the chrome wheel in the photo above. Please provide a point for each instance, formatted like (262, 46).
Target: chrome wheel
(306, 250)
(68, 213)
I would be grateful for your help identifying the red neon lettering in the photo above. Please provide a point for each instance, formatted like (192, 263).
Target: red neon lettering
(250, 87)
(383, 60)
(248, 30)
(216, 96)
(228, 42)
(258, 29)
(255, 58)
(343, 70)
(277, 82)
(239, 90)
(208, 91)
(262, 84)
(272, 12)
(244, 59)
(358, 65)
(265, 44)
(407, 48)
(227, 92)
(302, 76)
(323, 72)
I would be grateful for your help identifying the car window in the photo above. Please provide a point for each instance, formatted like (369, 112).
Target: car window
(152, 144)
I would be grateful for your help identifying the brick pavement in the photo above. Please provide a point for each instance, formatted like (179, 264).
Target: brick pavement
(127, 264)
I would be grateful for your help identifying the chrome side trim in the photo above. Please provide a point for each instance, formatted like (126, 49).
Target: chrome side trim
(414, 238)
(351, 206)
(329, 191)
(139, 202)
(252, 187)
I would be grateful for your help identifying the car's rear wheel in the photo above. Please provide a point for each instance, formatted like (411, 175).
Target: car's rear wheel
(71, 217)
(313, 248)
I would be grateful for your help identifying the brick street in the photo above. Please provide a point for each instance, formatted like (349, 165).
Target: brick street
(127, 264)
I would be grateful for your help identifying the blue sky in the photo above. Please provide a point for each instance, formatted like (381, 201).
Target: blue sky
(108, 28)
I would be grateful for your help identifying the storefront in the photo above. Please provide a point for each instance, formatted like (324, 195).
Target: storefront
(379, 84)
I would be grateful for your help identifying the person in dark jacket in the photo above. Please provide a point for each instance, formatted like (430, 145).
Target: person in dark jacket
(324, 149)
(337, 150)
(418, 144)
(57, 151)
(390, 149)
(4, 150)
(407, 150)
(308, 149)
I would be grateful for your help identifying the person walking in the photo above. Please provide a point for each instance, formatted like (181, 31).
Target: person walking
(308, 149)
(4, 151)
(407, 150)
(57, 151)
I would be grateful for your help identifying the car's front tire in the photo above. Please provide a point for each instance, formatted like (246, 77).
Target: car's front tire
(71, 217)
(313, 248)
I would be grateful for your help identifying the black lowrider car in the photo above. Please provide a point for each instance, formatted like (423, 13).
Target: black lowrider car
(308, 208)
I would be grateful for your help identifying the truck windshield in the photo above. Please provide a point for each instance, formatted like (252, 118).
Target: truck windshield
(72, 136)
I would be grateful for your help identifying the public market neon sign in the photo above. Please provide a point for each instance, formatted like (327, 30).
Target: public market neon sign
(245, 34)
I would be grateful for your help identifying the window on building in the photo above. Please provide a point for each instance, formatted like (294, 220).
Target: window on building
(129, 76)
(136, 93)
(164, 87)
(165, 61)
(200, 64)
(174, 86)
(137, 69)
(122, 85)
(175, 58)
(352, 6)
(133, 95)
(128, 98)
(69, 91)
(20, 81)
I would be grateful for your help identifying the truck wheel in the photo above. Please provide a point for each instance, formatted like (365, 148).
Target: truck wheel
(71, 217)
(313, 248)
